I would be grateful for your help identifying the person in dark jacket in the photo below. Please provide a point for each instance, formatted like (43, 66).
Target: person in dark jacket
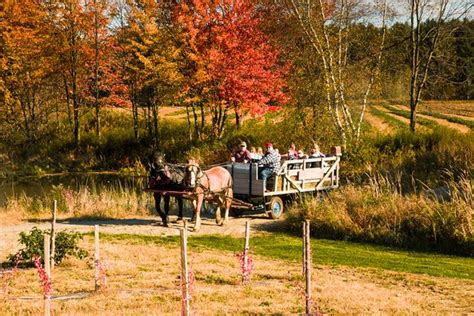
(242, 154)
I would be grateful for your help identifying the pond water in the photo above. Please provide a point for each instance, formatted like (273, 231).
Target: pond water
(42, 186)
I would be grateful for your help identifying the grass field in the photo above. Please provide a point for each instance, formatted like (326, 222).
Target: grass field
(348, 278)
(457, 115)
(326, 252)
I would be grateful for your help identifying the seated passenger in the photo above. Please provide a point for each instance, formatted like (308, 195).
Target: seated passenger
(316, 153)
(242, 154)
(292, 152)
(302, 155)
(254, 155)
(260, 152)
(269, 164)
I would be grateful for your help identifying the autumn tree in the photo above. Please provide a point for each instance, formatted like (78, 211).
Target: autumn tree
(231, 64)
(105, 80)
(150, 57)
(71, 22)
(27, 65)
(99, 8)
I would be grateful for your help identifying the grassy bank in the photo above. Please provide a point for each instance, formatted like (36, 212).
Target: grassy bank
(379, 213)
(325, 252)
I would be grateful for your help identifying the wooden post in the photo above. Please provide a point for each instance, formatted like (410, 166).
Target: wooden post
(47, 269)
(96, 257)
(53, 233)
(184, 273)
(304, 249)
(308, 267)
(246, 247)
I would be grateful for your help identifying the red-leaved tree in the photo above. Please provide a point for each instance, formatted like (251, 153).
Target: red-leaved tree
(231, 63)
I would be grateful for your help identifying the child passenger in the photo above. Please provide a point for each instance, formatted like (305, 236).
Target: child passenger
(292, 152)
(315, 152)
(254, 155)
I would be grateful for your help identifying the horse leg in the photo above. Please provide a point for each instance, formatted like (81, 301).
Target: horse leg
(167, 209)
(200, 199)
(180, 208)
(157, 197)
(227, 204)
(218, 216)
(194, 210)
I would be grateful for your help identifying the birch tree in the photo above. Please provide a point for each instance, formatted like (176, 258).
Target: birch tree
(327, 26)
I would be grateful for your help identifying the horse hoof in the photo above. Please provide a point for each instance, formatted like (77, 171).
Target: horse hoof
(195, 229)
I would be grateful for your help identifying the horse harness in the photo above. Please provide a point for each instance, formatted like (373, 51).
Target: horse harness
(207, 190)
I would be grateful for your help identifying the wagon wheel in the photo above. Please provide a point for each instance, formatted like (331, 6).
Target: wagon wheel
(276, 207)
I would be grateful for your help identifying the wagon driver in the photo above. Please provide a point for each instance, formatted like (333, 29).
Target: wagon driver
(270, 163)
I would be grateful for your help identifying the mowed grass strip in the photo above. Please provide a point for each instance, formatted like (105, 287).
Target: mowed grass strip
(325, 252)
(406, 114)
(388, 118)
(449, 118)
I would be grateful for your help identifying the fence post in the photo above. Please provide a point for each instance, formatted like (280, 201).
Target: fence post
(47, 269)
(184, 272)
(96, 257)
(53, 234)
(304, 249)
(308, 268)
(246, 248)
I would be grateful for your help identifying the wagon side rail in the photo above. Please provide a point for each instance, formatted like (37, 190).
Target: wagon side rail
(300, 175)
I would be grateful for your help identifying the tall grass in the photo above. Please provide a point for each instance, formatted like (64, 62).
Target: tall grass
(424, 157)
(378, 212)
(114, 202)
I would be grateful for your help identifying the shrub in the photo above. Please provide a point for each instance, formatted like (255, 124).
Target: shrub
(65, 245)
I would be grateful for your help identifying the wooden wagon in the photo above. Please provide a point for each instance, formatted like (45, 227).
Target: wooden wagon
(295, 177)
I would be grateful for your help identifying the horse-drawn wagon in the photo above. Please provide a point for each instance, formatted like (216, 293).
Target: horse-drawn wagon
(238, 186)
(295, 177)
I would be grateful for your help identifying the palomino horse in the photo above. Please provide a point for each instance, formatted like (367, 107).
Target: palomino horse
(213, 185)
(165, 177)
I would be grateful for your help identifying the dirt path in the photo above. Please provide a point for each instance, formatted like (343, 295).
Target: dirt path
(143, 226)
(378, 123)
(459, 127)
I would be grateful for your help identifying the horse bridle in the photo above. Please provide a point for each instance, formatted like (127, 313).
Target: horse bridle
(199, 175)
